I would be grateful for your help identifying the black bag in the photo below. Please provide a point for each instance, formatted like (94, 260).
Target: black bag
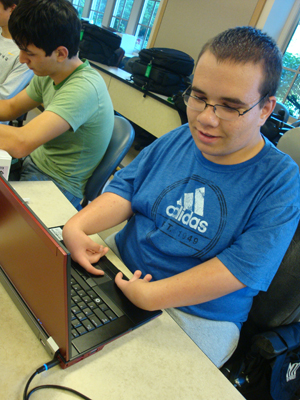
(170, 59)
(98, 44)
(161, 70)
(271, 368)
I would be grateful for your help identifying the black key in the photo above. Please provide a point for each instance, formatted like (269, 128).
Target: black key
(95, 321)
(75, 333)
(81, 293)
(103, 307)
(92, 294)
(92, 305)
(110, 315)
(75, 323)
(82, 305)
(76, 287)
(75, 309)
(88, 325)
(103, 318)
(97, 300)
(81, 316)
(86, 299)
(87, 311)
(81, 330)
(76, 299)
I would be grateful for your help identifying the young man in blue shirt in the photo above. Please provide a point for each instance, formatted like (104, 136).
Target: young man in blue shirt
(212, 206)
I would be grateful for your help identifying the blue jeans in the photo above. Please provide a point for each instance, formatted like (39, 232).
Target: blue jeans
(30, 172)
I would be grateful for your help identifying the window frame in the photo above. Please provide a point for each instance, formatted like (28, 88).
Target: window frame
(134, 17)
(283, 42)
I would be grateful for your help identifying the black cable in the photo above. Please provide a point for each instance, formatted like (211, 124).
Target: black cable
(59, 388)
(45, 367)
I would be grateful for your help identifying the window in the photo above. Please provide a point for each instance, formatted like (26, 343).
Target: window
(97, 11)
(79, 4)
(289, 89)
(121, 15)
(145, 23)
(134, 17)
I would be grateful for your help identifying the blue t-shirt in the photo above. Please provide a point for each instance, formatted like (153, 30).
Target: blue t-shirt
(188, 210)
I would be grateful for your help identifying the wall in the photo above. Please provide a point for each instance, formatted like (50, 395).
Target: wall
(187, 24)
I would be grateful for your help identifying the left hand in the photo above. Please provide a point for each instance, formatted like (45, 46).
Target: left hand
(136, 288)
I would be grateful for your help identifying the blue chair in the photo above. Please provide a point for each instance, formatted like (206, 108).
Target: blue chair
(121, 141)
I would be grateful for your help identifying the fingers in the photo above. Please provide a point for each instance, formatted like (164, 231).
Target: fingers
(119, 280)
(92, 270)
(148, 278)
(91, 256)
(137, 275)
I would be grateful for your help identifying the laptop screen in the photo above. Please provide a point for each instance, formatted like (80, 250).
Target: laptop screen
(35, 264)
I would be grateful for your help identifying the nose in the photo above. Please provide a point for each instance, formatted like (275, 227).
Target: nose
(208, 116)
(23, 57)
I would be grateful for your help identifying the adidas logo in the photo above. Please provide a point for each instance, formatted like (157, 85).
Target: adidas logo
(188, 210)
(292, 371)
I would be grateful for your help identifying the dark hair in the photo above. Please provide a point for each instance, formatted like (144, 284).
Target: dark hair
(47, 24)
(249, 45)
(9, 3)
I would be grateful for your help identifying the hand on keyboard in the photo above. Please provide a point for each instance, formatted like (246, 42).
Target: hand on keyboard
(84, 250)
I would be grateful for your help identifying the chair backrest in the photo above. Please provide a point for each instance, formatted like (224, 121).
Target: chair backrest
(289, 143)
(281, 112)
(121, 141)
(280, 304)
(296, 123)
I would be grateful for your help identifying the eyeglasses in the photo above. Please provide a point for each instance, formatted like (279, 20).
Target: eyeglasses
(223, 112)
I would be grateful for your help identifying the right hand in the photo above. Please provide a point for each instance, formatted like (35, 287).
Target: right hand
(83, 249)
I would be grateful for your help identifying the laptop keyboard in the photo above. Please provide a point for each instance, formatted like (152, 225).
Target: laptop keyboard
(88, 310)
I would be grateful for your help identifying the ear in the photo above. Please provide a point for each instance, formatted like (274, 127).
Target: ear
(12, 8)
(267, 109)
(61, 53)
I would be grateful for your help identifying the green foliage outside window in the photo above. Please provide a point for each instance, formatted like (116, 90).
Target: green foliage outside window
(290, 77)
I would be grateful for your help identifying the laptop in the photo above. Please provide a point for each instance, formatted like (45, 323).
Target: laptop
(74, 314)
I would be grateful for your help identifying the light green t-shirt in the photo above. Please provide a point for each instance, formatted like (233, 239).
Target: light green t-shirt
(83, 101)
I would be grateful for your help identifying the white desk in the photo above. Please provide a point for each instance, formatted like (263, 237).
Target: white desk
(157, 361)
(152, 112)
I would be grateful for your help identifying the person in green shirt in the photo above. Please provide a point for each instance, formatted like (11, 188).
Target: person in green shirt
(68, 139)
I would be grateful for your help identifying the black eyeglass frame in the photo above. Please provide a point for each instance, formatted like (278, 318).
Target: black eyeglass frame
(219, 105)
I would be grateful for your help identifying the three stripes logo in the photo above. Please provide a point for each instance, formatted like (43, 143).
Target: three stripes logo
(292, 371)
(188, 210)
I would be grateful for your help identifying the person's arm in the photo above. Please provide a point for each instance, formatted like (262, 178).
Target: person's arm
(106, 211)
(11, 109)
(19, 142)
(199, 284)
(15, 81)
(204, 282)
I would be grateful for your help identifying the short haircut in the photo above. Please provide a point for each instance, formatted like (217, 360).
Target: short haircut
(46, 24)
(9, 3)
(249, 45)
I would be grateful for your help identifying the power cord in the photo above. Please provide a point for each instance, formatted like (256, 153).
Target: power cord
(45, 367)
